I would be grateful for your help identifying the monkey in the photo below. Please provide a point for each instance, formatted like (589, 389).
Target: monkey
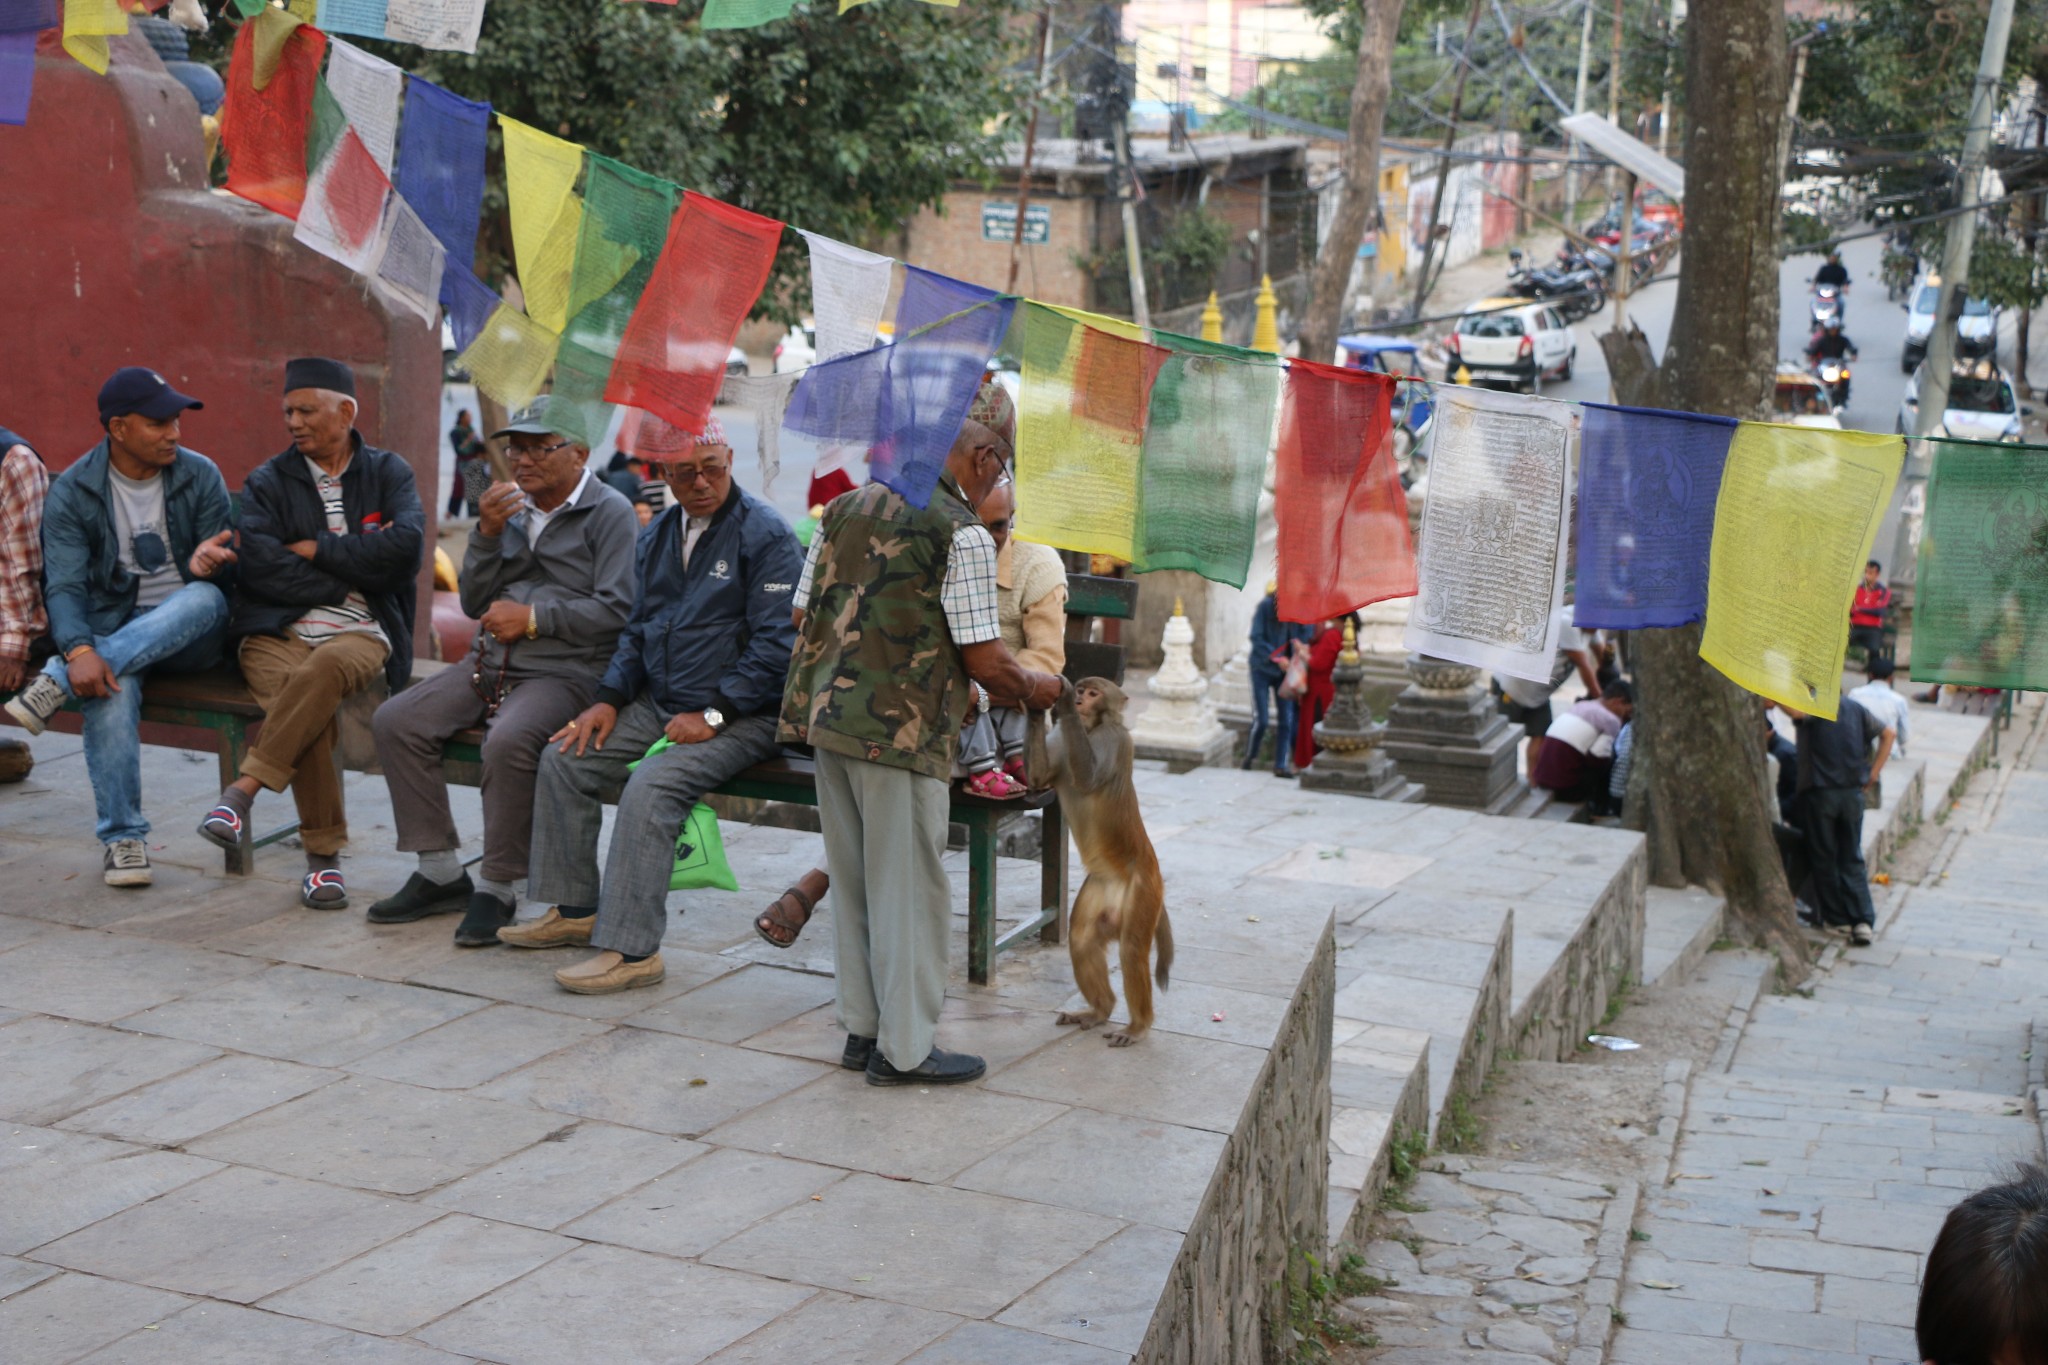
(1122, 897)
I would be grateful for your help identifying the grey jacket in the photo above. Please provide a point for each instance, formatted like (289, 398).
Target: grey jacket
(579, 581)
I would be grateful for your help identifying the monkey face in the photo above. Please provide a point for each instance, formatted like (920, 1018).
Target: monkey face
(1095, 696)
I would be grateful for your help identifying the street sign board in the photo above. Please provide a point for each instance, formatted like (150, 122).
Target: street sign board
(999, 222)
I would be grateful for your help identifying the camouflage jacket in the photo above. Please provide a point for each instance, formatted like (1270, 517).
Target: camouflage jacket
(876, 674)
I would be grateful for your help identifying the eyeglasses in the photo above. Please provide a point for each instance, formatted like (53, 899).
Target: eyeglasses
(687, 474)
(535, 452)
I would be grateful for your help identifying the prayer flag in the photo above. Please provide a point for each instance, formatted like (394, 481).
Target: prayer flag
(17, 75)
(744, 13)
(30, 16)
(509, 358)
(344, 205)
(1980, 615)
(445, 25)
(263, 130)
(367, 89)
(470, 303)
(1647, 484)
(87, 26)
(441, 145)
(1491, 566)
(362, 17)
(547, 218)
(273, 29)
(407, 265)
(1207, 432)
(929, 296)
(1081, 434)
(671, 357)
(849, 290)
(626, 215)
(767, 397)
(1793, 524)
(1337, 495)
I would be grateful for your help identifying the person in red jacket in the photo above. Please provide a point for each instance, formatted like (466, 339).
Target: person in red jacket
(1322, 689)
(1866, 616)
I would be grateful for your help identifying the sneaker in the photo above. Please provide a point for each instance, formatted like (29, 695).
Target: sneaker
(552, 930)
(1859, 934)
(858, 1050)
(941, 1068)
(481, 923)
(33, 706)
(419, 898)
(127, 863)
(609, 972)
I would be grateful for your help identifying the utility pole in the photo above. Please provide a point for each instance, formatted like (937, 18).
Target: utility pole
(1664, 99)
(1799, 46)
(1030, 144)
(1571, 173)
(1938, 368)
(1141, 309)
(1614, 111)
(1443, 165)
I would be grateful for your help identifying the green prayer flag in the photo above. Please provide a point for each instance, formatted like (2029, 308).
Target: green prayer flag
(329, 123)
(1207, 432)
(625, 222)
(1980, 614)
(745, 13)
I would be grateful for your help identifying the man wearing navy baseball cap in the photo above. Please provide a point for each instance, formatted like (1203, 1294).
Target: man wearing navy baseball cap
(132, 534)
(332, 531)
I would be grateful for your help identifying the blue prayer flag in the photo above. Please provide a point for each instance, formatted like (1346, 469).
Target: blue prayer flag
(29, 16)
(1648, 481)
(440, 170)
(362, 17)
(469, 301)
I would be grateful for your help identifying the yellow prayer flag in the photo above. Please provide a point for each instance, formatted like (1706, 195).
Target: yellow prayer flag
(547, 218)
(1101, 322)
(87, 25)
(509, 359)
(1793, 526)
(273, 28)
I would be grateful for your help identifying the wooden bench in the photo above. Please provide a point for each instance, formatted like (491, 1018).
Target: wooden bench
(215, 709)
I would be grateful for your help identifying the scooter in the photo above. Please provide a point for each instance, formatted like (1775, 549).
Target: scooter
(1826, 305)
(1833, 374)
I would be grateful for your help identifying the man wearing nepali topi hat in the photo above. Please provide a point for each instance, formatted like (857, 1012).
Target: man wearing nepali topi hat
(332, 534)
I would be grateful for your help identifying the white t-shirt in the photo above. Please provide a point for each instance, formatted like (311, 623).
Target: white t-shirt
(1527, 692)
(353, 615)
(139, 517)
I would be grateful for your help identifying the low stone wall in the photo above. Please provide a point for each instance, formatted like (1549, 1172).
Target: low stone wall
(1490, 1021)
(1411, 1116)
(1226, 1297)
(1574, 993)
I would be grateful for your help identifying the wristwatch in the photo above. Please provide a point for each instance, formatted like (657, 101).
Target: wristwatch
(533, 623)
(714, 718)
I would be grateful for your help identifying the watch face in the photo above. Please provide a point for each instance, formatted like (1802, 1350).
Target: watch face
(713, 717)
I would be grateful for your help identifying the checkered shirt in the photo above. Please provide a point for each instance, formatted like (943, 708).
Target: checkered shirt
(23, 483)
(968, 594)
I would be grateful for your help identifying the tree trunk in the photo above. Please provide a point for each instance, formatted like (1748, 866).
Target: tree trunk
(1701, 736)
(1357, 201)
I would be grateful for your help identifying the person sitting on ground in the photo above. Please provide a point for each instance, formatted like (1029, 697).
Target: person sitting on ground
(1984, 1294)
(333, 535)
(1578, 750)
(1031, 606)
(131, 533)
(1835, 769)
(548, 577)
(701, 661)
(24, 625)
(1877, 697)
(1867, 612)
(1526, 701)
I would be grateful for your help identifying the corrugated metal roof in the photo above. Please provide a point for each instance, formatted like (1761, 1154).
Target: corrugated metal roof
(1627, 152)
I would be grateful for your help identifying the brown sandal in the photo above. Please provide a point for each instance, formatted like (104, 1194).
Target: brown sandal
(777, 917)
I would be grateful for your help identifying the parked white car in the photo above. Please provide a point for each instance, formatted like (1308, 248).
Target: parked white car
(1981, 405)
(1512, 341)
(1976, 329)
(798, 349)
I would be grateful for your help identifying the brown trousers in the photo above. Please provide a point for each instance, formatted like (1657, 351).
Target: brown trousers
(299, 688)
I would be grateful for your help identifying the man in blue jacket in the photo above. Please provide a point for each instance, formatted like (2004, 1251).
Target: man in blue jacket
(701, 661)
(332, 532)
(130, 534)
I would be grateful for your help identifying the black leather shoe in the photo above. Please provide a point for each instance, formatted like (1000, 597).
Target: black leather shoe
(941, 1068)
(858, 1050)
(419, 898)
(480, 925)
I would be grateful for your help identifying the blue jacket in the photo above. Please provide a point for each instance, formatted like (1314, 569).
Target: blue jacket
(1269, 632)
(719, 633)
(86, 590)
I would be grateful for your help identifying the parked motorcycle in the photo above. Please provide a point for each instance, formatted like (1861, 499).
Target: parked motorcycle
(1579, 291)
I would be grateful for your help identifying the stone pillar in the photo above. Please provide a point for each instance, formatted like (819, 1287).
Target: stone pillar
(1445, 733)
(1180, 725)
(1351, 759)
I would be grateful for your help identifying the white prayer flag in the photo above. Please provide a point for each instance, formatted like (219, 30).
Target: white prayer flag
(849, 290)
(409, 261)
(1490, 567)
(344, 205)
(367, 88)
(766, 396)
(445, 25)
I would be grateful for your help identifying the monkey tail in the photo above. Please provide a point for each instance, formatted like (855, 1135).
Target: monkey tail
(1163, 936)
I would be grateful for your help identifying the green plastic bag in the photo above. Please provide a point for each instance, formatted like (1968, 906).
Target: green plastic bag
(700, 849)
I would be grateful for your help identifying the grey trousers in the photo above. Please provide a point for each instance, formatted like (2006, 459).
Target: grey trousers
(632, 901)
(411, 729)
(885, 832)
(989, 738)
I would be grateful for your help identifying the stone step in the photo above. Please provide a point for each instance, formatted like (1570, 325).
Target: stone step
(1379, 1081)
(1679, 927)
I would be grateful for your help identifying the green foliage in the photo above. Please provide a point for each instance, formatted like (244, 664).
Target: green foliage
(1312, 1293)
(1180, 263)
(1405, 1154)
(2006, 273)
(1459, 1129)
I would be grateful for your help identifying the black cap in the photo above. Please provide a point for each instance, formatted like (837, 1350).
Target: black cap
(317, 372)
(135, 389)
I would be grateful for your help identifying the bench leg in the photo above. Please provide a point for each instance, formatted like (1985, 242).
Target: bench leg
(1052, 874)
(981, 895)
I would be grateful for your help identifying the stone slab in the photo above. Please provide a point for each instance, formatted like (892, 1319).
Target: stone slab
(79, 974)
(697, 1206)
(70, 1316)
(209, 1096)
(1141, 1170)
(569, 1172)
(224, 1334)
(301, 1015)
(56, 1067)
(651, 1080)
(52, 1183)
(1195, 1082)
(1105, 1299)
(478, 1047)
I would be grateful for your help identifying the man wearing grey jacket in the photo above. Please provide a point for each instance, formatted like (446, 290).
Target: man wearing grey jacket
(549, 578)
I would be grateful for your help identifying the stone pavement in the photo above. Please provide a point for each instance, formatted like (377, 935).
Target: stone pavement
(1811, 1175)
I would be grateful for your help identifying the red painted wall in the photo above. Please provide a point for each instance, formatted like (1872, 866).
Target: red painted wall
(115, 252)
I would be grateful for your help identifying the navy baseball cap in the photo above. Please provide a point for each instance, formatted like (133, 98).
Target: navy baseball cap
(144, 392)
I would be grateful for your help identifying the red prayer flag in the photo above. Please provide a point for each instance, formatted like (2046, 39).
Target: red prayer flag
(1342, 515)
(671, 359)
(264, 131)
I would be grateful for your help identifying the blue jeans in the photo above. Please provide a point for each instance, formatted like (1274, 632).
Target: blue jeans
(1265, 680)
(182, 634)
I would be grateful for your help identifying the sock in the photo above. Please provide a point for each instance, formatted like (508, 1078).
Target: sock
(238, 801)
(575, 911)
(441, 867)
(502, 890)
(631, 958)
(322, 862)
